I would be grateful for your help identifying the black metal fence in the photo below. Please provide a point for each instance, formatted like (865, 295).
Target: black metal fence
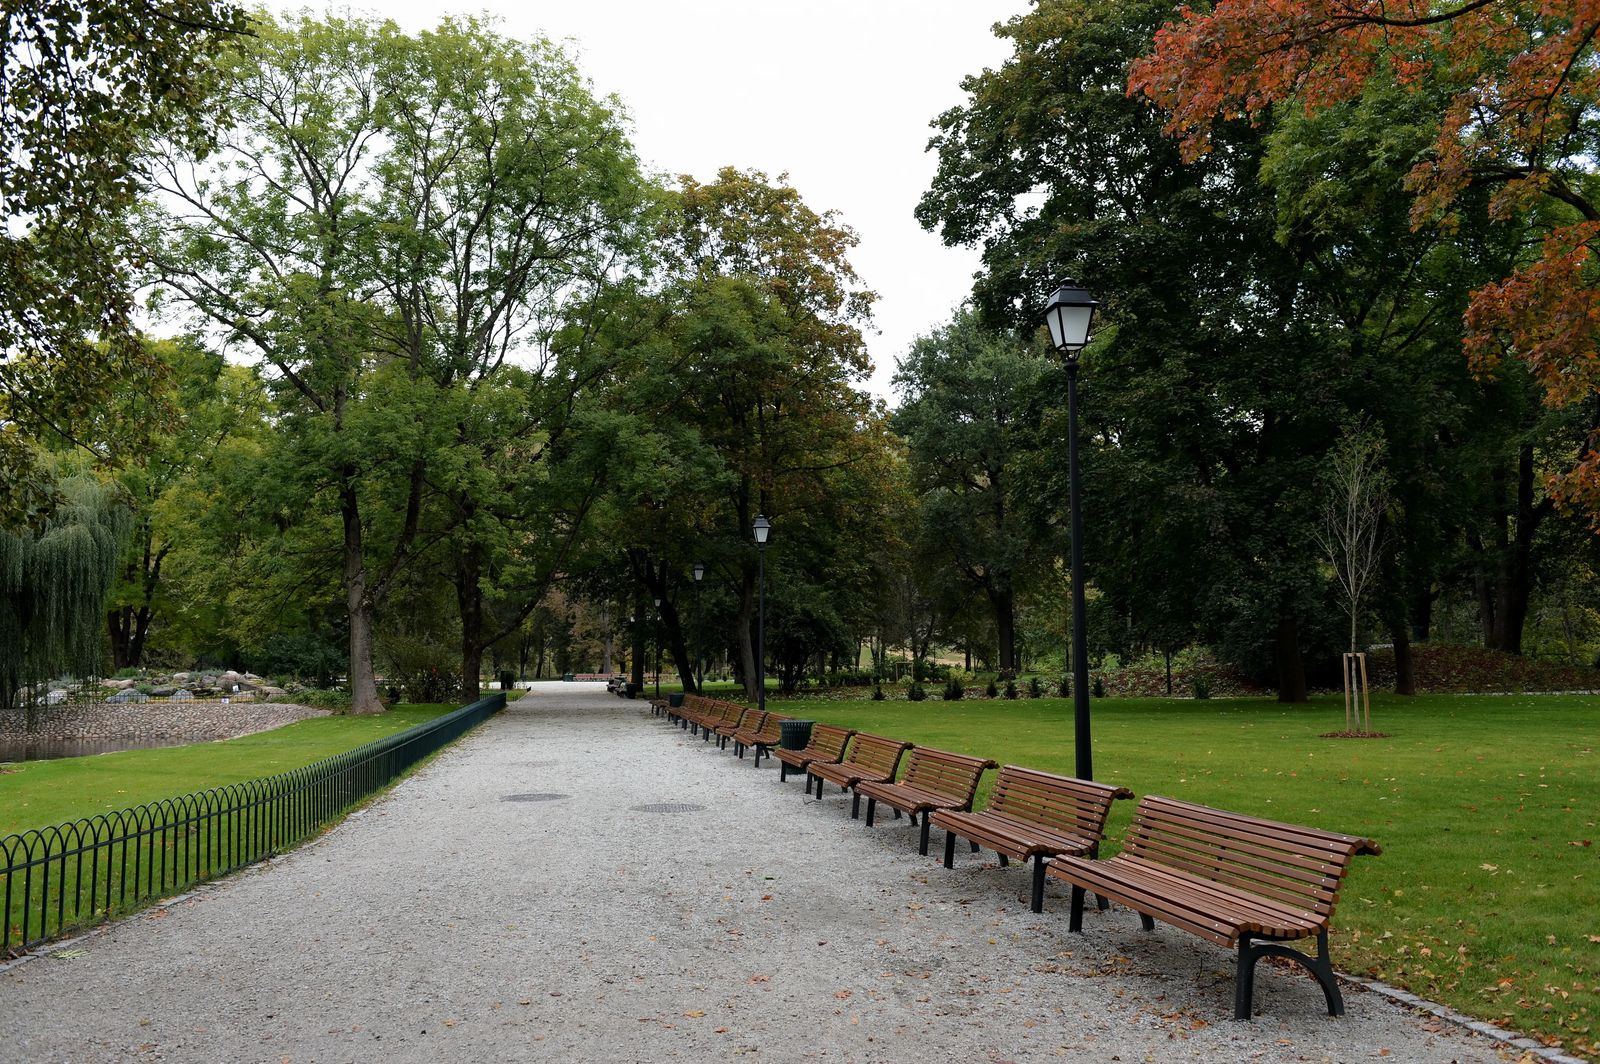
(63, 877)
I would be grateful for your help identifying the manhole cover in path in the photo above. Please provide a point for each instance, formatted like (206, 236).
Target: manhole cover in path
(532, 797)
(667, 807)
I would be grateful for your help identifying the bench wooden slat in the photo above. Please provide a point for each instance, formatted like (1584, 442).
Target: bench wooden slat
(827, 744)
(934, 779)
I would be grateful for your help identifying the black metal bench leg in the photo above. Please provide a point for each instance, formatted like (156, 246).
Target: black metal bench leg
(1321, 966)
(1004, 860)
(925, 826)
(949, 849)
(1102, 903)
(1075, 921)
(872, 804)
(1147, 922)
(855, 806)
(783, 772)
(1038, 882)
(974, 845)
(1244, 980)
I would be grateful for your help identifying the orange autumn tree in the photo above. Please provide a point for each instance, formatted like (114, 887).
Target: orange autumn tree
(1520, 81)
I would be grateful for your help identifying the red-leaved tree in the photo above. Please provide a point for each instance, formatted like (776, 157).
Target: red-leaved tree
(1520, 81)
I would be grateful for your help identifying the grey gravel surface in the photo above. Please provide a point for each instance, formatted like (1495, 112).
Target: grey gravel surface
(447, 924)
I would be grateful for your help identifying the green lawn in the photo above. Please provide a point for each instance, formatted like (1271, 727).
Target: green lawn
(37, 794)
(1487, 895)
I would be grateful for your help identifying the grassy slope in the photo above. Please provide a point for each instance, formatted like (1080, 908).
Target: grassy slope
(1488, 893)
(41, 793)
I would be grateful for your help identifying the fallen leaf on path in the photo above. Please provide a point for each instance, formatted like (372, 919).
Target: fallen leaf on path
(695, 1014)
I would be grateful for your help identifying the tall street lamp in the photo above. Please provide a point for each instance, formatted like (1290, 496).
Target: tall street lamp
(699, 671)
(1069, 314)
(762, 528)
(657, 628)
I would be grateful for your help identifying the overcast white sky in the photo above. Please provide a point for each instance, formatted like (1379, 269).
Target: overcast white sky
(838, 93)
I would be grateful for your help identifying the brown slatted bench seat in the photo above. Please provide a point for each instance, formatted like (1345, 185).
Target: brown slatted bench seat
(1229, 878)
(934, 779)
(1033, 814)
(761, 738)
(871, 757)
(826, 745)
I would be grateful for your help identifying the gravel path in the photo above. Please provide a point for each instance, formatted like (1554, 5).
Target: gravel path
(446, 924)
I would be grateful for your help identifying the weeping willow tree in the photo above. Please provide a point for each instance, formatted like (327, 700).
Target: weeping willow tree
(53, 584)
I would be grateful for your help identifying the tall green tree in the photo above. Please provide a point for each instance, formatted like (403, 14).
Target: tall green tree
(970, 410)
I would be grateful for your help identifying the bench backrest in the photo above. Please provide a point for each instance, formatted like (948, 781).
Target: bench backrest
(1062, 803)
(749, 718)
(939, 771)
(876, 753)
(827, 742)
(768, 731)
(1285, 862)
(731, 712)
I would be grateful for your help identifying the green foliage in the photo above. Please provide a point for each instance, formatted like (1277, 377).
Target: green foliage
(916, 692)
(991, 690)
(1035, 687)
(877, 693)
(88, 85)
(1011, 689)
(1200, 685)
(1097, 689)
(53, 585)
(953, 690)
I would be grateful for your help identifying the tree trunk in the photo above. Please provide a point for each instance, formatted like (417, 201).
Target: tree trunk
(1167, 654)
(1003, 602)
(469, 600)
(358, 605)
(1286, 653)
(1405, 679)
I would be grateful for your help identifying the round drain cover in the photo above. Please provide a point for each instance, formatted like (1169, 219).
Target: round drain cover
(667, 807)
(533, 797)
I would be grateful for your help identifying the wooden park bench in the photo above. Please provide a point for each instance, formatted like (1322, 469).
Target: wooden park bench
(761, 738)
(1232, 879)
(747, 719)
(934, 779)
(1033, 814)
(826, 745)
(871, 758)
(710, 714)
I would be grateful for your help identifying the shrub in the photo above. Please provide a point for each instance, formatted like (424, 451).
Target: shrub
(325, 698)
(1098, 688)
(1011, 689)
(1035, 687)
(1200, 685)
(992, 691)
(953, 691)
(877, 692)
(916, 694)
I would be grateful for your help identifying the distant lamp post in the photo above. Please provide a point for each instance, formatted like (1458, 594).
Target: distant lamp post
(762, 529)
(657, 627)
(1069, 314)
(699, 671)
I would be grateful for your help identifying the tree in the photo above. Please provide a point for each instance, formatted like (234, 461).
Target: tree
(213, 406)
(971, 406)
(1517, 108)
(277, 242)
(53, 585)
(87, 83)
(1354, 507)
(518, 201)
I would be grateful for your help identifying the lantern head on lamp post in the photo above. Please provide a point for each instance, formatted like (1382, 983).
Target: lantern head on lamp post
(762, 528)
(1069, 314)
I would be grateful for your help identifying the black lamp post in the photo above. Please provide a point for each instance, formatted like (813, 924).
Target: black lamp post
(762, 528)
(657, 629)
(1069, 315)
(699, 671)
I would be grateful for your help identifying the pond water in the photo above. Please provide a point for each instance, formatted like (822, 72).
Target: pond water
(50, 749)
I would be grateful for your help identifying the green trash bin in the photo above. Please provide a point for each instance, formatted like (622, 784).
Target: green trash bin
(675, 699)
(794, 734)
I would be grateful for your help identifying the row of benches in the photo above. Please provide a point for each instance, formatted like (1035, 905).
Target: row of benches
(1239, 881)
